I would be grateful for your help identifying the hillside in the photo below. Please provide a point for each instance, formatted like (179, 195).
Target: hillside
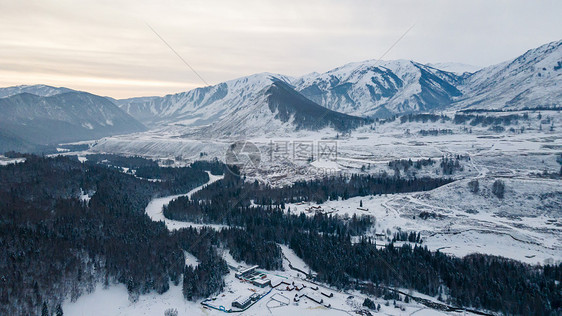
(533, 79)
(379, 89)
(64, 117)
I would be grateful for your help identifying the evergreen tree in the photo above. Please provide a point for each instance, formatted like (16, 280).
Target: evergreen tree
(58, 311)
(44, 310)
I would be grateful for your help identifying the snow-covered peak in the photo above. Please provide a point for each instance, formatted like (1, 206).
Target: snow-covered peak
(367, 88)
(546, 56)
(276, 110)
(354, 70)
(200, 106)
(380, 88)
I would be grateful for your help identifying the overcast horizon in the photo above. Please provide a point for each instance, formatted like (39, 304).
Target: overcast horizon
(107, 47)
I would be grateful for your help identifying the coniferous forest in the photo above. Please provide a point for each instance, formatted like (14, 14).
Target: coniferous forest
(55, 244)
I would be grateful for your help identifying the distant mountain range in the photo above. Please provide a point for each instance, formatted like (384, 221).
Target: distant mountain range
(342, 98)
(365, 89)
(199, 106)
(378, 89)
(31, 121)
(39, 89)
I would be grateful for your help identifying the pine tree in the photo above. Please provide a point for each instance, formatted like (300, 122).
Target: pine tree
(44, 310)
(58, 310)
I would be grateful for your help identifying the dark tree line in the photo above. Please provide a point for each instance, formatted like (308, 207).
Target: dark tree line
(424, 118)
(207, 277)
(52, 245)
(265, 253)
(405, 164)
(435, 132)
(478, 281)
(498, 188)
(463, 118)
(405, 236)
(486, 120)
(132, 162)
(451, 164)
(215, 203)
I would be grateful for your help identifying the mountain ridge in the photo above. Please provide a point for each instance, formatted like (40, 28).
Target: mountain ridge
(370, 88)
(533, 79)
(64, 117)
(277, 109)
(374, 88)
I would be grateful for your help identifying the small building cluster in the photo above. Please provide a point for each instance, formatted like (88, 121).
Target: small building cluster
(286, 286)
(243, 302)
(251, 275)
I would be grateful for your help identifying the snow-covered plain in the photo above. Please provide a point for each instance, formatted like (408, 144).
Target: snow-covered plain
(115, 300)
(524, 225)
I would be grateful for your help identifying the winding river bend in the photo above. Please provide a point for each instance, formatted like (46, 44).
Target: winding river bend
(155, 207)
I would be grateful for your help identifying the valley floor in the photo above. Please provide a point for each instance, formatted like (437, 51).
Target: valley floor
(525, 225)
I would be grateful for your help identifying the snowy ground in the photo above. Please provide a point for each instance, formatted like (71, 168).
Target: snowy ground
(372, 147)
(525, 225)
(114, 300)
(4, 161)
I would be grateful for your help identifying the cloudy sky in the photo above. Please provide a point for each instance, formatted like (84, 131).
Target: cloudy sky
(106, 47)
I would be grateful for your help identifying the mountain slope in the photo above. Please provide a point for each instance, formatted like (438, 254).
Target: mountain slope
(530, 80)
(278, 108)
(373, 88)
(11, 142)
(361, 89)
(199, 106)
(63, 117)
(288, 104)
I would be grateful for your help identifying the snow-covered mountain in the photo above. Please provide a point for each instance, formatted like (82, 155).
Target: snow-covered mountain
(277, 108)
(38, 89)
(200, 106)
(265, 102)
(374, 89)
(381, 88)
(69, 116)
(361, 89)
(533, 79)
